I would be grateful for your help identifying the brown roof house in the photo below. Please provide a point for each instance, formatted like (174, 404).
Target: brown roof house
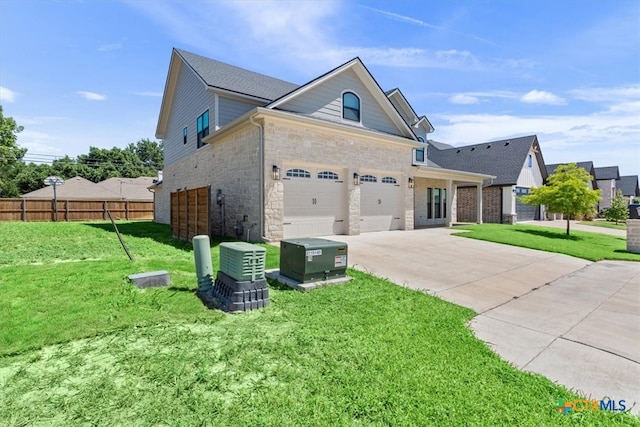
(130, 188)
(74, 188)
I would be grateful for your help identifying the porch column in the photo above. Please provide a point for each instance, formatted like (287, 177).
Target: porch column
(479, 214)
(450, 199)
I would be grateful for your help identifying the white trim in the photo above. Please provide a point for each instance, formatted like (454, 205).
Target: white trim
(216, 111)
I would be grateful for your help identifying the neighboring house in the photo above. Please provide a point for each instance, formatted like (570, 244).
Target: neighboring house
(337, 155)
(587, 166)
(517, 165)
(74, 188)
(593, 185)
(606, 178)
(130, 188)
(628, 185)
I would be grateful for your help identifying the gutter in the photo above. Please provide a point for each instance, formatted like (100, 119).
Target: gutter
(261, 179)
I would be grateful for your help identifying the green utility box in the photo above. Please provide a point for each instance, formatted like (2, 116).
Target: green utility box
(312, 260)
(242, 261)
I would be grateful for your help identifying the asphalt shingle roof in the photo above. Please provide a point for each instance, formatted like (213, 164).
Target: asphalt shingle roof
(628, 185)
(439, 145)
(74, 188)
(225, 76)
(607, 172)
(503, 159)
(588, 166)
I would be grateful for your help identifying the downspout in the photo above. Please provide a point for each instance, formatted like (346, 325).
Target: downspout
(501, 204)
(261, 180)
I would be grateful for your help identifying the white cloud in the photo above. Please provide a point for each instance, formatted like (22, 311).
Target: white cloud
(462, 98)
(542, 97)
(92, 96)
(7, 95)
(611, 94)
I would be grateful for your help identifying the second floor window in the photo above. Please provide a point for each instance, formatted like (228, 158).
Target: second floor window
(202, 124)
(350, 106)
(184, 135)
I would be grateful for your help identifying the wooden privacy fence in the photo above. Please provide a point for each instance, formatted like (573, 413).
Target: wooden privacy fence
(190, 213)
(74, 210)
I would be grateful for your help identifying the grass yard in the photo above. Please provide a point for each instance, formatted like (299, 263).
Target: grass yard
(80, 345)
(606, 224)
(580, 244)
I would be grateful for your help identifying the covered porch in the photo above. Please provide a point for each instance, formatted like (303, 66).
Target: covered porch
(435, 193)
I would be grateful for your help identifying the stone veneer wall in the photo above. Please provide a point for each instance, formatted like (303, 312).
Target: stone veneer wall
(491, 204)
(230, 164)
(288, 144)
(633, 235)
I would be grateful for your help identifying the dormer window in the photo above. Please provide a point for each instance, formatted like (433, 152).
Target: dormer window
(350, 106)
(420, 139)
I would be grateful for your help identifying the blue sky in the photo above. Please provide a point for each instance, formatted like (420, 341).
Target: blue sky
(91, 73)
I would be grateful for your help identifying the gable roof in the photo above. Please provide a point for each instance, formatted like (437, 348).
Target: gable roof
(367, 79)
(220, 75)
(607, 172)
(74, 188)
(130, 188)
(587, 166)
(628, 184)
(503, 159)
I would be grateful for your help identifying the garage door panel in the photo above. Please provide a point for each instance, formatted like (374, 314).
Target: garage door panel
(314, 207)
(380, 207)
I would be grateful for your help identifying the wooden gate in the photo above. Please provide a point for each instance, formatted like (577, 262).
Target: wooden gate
(190, 213)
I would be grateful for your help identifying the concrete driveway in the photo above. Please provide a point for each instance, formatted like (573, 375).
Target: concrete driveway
(573, 321)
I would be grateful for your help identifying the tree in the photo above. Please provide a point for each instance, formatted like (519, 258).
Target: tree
(567, 192)
(10, 155)
(619, 210)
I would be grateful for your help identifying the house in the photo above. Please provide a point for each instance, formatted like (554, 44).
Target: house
(337, 155)
(130, 188)
(628, 185)
(74, 189)
(587, 166)
(593, 184)
(517, 165)
(606, 178)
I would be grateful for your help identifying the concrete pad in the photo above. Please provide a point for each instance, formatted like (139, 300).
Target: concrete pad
(592, 373)
(513, 343)
(304, 287)
(485, 294)
(150, 279)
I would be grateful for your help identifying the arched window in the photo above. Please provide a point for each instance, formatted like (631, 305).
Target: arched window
(420, 139)
(350, 106)
(298, 173)
(328, 175)
(389, 180)
(368, 178)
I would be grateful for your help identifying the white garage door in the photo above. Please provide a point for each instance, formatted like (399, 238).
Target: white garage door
(315, 203)
(380, 203)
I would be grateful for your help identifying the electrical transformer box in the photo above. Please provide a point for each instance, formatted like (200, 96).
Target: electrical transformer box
(242, 261)
(311, 260)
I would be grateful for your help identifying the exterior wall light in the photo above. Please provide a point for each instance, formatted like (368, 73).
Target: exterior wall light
(275, 170)
(356, 179)
(410, 182)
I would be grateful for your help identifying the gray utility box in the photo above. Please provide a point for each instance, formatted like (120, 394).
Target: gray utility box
(242, 261)
(312, 260)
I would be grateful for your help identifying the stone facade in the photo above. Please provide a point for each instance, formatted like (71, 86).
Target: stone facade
(421, 206)
(230, 165)
(633, 235)
(289, 144)
(491, 205)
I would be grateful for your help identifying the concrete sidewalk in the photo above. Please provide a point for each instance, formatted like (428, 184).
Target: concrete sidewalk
(574, 225)
(573, 321)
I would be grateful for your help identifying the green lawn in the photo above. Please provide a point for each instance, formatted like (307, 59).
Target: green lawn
(80, 345)
(605, 224)
(580, 244)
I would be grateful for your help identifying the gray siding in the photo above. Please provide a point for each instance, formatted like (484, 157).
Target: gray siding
(190, 100)
(405, 116)
(325, 102)
(230, 109)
